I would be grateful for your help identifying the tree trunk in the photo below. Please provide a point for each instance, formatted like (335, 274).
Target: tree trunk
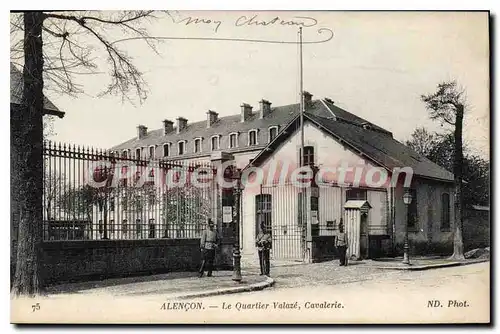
(458, 244)
(28, 149)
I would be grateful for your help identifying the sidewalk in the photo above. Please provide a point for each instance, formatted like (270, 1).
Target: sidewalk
(171, 286)
(418, 263)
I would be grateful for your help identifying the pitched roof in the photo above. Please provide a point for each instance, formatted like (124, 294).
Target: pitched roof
(377, 146)
(224, 126)
(347, 117)
(16, 92)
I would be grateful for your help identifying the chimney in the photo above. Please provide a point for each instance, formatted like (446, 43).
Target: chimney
(168, 126)
(265, 108)
(142, 131)
(246, 111)
(211, 118)
(307, 98)
(181, 124)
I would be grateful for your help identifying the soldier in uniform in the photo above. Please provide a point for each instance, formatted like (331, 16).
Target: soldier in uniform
(263, 243)
(209, 242)
(341, 244)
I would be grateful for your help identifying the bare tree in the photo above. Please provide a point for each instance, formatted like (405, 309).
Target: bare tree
(448, 105)
(56, 47)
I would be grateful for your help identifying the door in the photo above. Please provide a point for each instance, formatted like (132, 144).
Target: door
(364, 239)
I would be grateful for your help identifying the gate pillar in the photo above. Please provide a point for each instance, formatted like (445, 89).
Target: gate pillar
(224, 197)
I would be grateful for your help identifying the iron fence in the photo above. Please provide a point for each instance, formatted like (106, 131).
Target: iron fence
(93, 194)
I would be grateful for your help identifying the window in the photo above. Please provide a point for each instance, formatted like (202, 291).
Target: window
(125, 154)
(137, 153)
(252, 137)
(151, 152)
(314, 203)
(273, 131)
(181, 147)
(215, 143)
(445, 211)
(263, 211)
(112, 204)
(197, 145)
(152, 229)
(412, 217)
(355, 194)
(308, 158)
(138, 226)
(166, 150)
(330, 224)
(124, 226)
(233, 140)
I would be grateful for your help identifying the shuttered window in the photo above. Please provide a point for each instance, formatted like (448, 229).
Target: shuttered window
(445, 211)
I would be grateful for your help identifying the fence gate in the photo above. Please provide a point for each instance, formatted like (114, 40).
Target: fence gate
(278, 207)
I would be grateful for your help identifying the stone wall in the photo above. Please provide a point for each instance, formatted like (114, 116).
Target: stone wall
(476, 229)
(66, 261)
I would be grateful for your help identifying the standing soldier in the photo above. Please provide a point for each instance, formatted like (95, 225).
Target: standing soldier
(263, 244)
(341, 244)
(209, 242)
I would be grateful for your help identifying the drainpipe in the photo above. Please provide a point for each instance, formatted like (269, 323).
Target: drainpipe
(393, 214)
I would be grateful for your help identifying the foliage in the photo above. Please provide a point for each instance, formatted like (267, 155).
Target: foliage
(444, 104)
(80, 201)
(438, 147)
(186, 205)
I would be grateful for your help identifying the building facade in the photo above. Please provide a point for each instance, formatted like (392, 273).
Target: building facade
(303, 220)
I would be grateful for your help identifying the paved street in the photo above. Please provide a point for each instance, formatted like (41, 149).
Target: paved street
(377, 296)
(317, 293)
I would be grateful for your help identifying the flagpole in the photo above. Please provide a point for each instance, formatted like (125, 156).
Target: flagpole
(301, 100)
(303, 208)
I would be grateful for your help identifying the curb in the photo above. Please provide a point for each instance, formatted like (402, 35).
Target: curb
(433, 266)
(247, 288)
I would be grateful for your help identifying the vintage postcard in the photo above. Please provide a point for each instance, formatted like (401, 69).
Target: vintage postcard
(239, 167)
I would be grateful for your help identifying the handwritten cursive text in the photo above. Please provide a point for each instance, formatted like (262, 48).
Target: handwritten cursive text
(177, 18)
(303, 21)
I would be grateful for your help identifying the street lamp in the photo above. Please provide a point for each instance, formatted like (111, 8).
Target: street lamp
(236, 175)
(407, 200)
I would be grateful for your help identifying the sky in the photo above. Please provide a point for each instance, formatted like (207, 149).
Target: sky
(376, 66)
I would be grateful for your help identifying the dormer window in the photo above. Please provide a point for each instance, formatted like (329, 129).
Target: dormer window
(233, 140)
(181, 147)
(152, 152)
(166, 149)
(273, 132)
(252, 138)
(197, 145)
(214, 141)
